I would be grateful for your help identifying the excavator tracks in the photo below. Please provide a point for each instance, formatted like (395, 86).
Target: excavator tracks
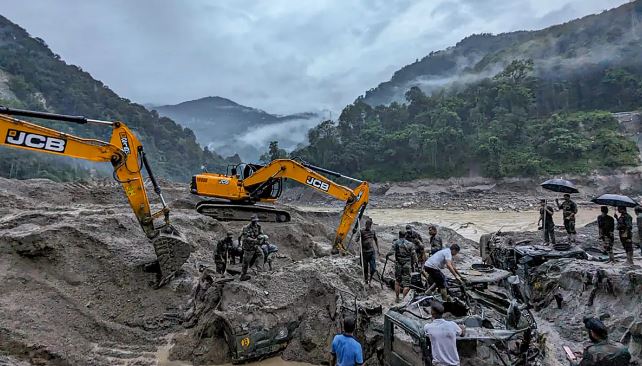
(235, 212)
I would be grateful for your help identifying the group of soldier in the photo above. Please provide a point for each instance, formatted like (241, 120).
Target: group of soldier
(252, 248)
(569, 210)
(410, 256)
(606, 226)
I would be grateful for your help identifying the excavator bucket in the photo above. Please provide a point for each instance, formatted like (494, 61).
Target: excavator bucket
(172, 252)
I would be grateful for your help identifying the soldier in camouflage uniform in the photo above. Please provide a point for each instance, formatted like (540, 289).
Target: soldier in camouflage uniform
(638, 220)
(221, 253)
(569, 210)
(436, 244)
(606, 226)
(415, 238)
(546, 219)
(405, 262)
(250, 242)
(625, 229)
(602, 352)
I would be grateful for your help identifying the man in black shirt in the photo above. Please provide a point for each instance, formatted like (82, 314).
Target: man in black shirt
(368, 239)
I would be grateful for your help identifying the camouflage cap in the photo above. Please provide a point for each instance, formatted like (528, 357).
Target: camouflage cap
(255, 217)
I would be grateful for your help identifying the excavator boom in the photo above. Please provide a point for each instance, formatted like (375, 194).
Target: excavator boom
(124, 152)
(264, 184)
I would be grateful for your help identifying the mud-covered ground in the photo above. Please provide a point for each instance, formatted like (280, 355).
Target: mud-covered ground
(75, 290)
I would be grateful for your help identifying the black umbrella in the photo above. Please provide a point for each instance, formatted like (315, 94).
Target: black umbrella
(560, 185)
(616, 200)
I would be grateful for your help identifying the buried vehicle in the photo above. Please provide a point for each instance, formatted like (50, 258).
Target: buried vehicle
(406, 344)
(500, 330)
(521, 257)
(247, 344)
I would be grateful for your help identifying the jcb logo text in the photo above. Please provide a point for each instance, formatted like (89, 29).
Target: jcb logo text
(125, 142)
(35, 141)
(317, 184)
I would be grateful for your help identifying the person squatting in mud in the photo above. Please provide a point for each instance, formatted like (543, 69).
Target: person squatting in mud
(415, 238)
(269, 251)
(369, 250)
(602, 351)
(222, 251)
(438, 261)
(606, 227)
(625, 231)
(250, 242)
(405, 263)
(546, 222)
(569, 210)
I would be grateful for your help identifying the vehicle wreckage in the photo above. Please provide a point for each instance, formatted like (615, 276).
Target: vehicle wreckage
(499, 330)
(521, 257)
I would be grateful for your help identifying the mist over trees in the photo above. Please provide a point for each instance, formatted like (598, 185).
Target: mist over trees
(513, 124)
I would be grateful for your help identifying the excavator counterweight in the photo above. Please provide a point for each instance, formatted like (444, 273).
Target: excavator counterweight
(126, 155)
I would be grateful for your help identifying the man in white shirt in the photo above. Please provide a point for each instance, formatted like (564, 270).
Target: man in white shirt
(438, 261)
(443, 337)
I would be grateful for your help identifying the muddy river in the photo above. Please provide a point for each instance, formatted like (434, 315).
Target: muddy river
(470, 224)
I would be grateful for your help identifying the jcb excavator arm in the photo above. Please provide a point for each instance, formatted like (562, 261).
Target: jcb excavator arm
(257, 187)
(124, 152)
(356, 199)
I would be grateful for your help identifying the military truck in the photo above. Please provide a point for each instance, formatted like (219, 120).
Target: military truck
(252, 344)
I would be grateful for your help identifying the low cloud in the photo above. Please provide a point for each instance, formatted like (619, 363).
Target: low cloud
(250, 144)
(283, 56)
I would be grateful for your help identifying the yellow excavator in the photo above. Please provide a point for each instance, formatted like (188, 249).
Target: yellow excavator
(244, 185)
(125, 153)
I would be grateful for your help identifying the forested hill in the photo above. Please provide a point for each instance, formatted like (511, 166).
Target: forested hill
(515, 122)
(231, 128)
(33, 77)
(612, 37)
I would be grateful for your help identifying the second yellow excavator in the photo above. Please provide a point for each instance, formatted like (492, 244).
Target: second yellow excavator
(247, 184)
(125, 153)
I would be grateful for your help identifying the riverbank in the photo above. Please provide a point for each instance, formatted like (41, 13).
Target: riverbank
(471, 224)
(474, 194)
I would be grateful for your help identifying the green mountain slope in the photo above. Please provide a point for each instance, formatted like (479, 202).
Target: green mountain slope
(613, 37)
(33, 77)
(540, 105)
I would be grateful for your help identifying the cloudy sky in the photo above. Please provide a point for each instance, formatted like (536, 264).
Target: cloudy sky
(282, 56)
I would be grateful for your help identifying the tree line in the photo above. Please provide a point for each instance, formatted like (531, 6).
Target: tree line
(513, 124)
